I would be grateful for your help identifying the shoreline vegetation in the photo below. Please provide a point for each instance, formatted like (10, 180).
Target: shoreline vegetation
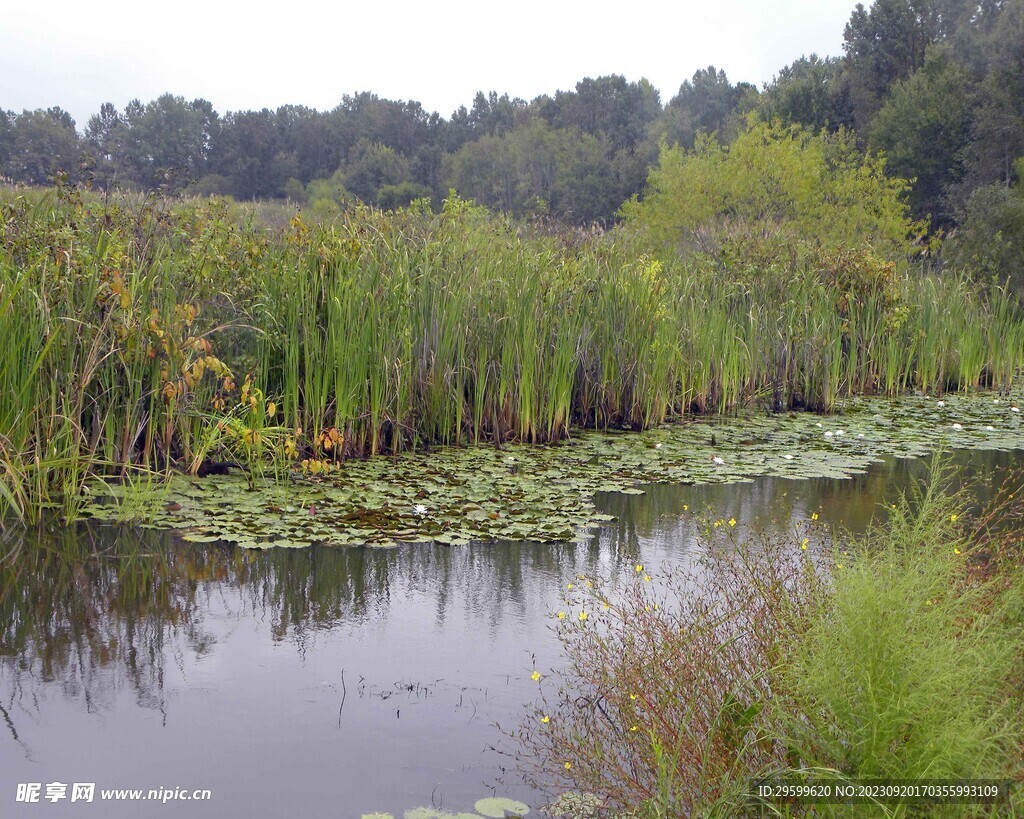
(146, 335)
(809, 661)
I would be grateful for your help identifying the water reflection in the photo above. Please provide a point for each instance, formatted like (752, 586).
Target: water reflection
(344, 680)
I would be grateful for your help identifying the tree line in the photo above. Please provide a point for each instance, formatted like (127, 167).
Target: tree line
(937, 86)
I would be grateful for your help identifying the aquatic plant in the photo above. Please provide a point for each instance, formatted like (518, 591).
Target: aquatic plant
(130, 326)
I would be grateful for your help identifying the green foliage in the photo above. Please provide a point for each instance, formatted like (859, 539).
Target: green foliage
(568, 170)
(401, 329)
(808, 92)
(905, 667)
(990, 239)
(921, 128)
(708, 104)
(39, 144)
(774, 182)
(895, 655)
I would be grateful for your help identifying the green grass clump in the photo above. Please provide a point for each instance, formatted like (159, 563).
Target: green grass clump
(906, 670)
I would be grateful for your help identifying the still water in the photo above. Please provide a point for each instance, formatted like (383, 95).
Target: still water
(324, 681)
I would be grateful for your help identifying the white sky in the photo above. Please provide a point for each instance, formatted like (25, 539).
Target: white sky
(242, 55)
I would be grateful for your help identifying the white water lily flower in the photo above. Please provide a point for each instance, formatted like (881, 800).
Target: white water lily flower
(420, 509)
(717, 461)
(957, 426)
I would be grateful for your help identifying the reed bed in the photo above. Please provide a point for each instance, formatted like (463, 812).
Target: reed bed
(147, 335)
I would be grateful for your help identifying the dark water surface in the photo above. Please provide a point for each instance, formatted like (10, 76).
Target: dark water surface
(324, 682)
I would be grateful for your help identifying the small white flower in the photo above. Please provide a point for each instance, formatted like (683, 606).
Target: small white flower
(510, 460)
(818, 425)
(995, 400)
(957, 426)
(829, 434)
(657, 446)
(788, 457)
(990, 428)
(420, 509)
(840, 432)
(717, 461)
(940, 403)
(860, 434)
(1015, 409)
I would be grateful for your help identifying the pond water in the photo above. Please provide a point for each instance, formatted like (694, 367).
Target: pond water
(326, 681)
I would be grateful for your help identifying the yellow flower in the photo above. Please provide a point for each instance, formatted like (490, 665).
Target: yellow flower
(633, 697)
(803, 544)
(718, 523)
(568, 765)
(953, 518)
(647, 578)
(545, 719)
(957, 551)
(583, 616)
(535, 676)
(605, 607)
(732, 521)
(569, 586)
(814, 516)
(587, 584)
(561, 615)
(686, 507)
(639, 568)
(634, 728)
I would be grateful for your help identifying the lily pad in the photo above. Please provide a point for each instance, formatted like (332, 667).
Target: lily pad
(470, 494)
(498, 807)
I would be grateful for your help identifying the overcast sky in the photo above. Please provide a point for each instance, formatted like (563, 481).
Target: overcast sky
(250, 55)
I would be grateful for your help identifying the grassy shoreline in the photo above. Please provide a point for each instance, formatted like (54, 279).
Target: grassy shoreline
(150, 336)
(817, 659)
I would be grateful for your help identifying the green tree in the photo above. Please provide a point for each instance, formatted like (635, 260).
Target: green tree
(41, 144)
(610, 106)
(774, 183)
(707, 104)
(809, 92)
(990, 238)
(6, 136)
(372, 166)
(165, 143)
(249, 153)
(922, 127)
(539, 169)
(997, 128)
(883, 45)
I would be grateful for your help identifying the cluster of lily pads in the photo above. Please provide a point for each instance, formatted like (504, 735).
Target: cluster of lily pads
(494, 807)
(546, 493)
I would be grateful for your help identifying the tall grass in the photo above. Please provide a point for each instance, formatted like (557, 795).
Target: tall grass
(128, 327)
